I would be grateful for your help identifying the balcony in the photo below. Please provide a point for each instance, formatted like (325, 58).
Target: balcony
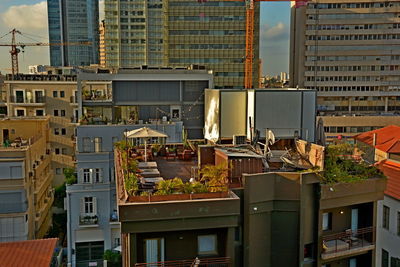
(31, 101)
(88, 220)
(63, 159)
(216, 262)
(96, 96)
(73, 100)
(348, 243)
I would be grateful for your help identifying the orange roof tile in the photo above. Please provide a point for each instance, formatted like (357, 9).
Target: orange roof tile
(31, 253)
(387, 138)
(392, 171)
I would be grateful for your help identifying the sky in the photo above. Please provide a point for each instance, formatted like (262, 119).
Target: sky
(30, 17)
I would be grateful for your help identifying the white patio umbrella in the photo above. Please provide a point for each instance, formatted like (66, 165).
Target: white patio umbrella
(145, 133)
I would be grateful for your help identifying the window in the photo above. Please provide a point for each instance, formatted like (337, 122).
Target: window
(55, 112)
(62, 113)
(207, 244)
(63, 131)
(62, 94)
(87, 176)
(394, 262)
(56, 131)
(385, 258)
(20, 112)
(87, 146)
(89, 252)
(97, 144)
(89, 205)
(327, 221)
(55, 93)
(58, 171)
(39, 112)
(57, 151)
(154, 250)
(64, 151)
(19, 96)
(385, 217)
(98, 175)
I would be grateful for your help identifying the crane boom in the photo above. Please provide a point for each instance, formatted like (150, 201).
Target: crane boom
(15, 50)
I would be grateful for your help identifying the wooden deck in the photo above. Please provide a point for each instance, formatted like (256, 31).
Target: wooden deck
(170, 169)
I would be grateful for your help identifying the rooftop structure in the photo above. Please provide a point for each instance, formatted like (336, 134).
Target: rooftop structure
(32, 253)
(289, 113)
(159, 210)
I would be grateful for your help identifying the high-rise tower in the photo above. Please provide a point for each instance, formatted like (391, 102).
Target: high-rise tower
(73, 21)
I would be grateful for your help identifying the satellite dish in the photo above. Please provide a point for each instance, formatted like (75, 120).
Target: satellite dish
(270, 137)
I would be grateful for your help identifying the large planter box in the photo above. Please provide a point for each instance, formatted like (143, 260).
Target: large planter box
(345, 194)
(177, 197)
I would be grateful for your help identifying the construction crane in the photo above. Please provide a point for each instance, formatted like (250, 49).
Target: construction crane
(15, 50)
(249, 57)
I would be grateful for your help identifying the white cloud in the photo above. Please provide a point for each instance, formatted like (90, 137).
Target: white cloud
(277, 32)
(29, 19)
(26, 17)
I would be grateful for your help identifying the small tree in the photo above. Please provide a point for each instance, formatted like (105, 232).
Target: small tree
(70, 176)
(113, 258)
(215, 177)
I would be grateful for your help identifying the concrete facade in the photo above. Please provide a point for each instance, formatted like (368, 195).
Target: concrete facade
(388, 239)
(349, 51)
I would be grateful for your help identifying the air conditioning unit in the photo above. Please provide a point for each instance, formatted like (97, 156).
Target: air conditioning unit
(239, 140)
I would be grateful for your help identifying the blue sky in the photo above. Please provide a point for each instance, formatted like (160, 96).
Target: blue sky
(274, 31)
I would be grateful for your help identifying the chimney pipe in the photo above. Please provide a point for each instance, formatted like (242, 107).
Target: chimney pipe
(374, 140)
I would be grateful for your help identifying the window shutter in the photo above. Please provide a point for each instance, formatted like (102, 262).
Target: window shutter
(91, 176)
(82, 205)
(100, 175)
(95, 205)
(80, 176)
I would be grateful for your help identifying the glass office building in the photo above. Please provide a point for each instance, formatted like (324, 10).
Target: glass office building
(179, 33)
(72, 22)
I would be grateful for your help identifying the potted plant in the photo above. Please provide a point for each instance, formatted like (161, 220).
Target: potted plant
(215, 177)
(155, 148)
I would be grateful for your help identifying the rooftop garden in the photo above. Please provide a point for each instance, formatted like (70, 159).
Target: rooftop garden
(213, 182)
(343, 164)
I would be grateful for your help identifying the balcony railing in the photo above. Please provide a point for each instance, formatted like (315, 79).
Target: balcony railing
(26, 100)
(347, 242)
(88, 219)
(208, 262)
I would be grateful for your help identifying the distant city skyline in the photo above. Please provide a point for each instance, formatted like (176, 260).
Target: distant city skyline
(19, 14)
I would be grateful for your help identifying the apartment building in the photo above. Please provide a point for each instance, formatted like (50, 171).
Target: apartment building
(295, 215)
(349, 52)
(180, 33)
(345, 127)
(169, 101)
(75, 25)
(51, 95)
(26, 193)
(382, 146)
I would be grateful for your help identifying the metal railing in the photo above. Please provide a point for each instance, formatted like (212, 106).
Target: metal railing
(198, 262)
(88, 219)
(27, 100)
(348, 240)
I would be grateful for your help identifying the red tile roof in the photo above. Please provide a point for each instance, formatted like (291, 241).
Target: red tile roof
(392, 171)
(387, 138)
(31, 253)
